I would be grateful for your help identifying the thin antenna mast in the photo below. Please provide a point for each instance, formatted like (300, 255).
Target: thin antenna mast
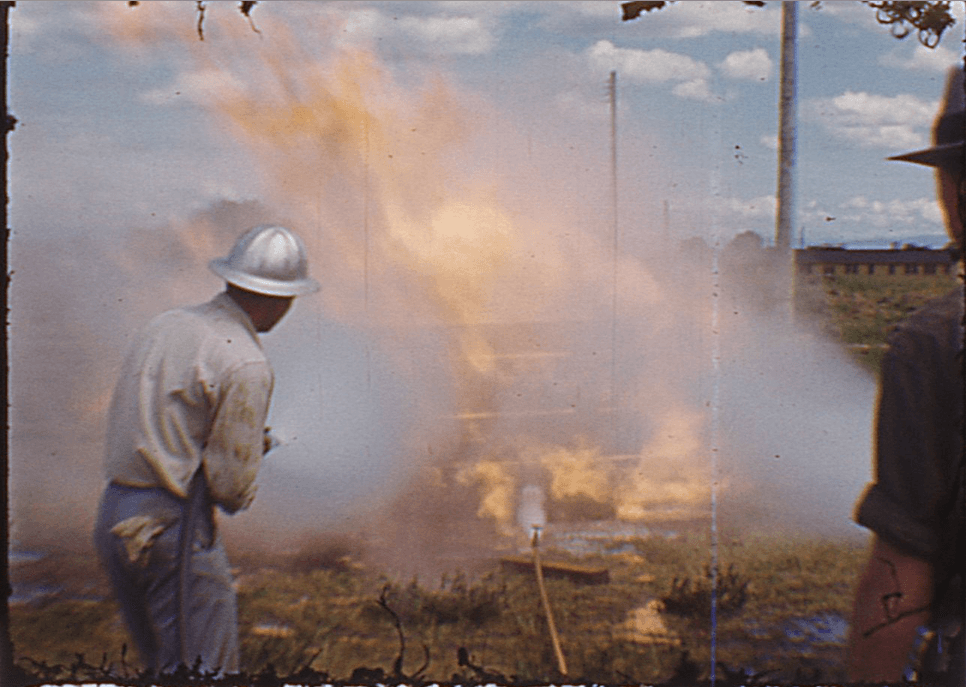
(612, 92)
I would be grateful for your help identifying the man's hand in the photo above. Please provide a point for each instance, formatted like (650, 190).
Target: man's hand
(269, 441)
(892, 600)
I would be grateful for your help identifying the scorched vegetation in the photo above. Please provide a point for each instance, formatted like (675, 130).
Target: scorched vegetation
(781, 608)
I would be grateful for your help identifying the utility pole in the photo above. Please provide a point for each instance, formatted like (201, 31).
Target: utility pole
(786, 210)
(9, 675)
(786, 129)
(612, 93)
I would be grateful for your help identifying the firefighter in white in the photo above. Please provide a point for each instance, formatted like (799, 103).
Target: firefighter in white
(186, 433)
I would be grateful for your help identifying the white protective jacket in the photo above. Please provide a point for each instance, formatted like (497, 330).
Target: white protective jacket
(194, 390)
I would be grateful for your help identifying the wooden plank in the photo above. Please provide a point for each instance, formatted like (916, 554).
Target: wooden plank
(576, 573)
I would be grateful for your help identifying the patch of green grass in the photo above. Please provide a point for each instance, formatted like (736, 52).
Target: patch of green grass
(866, 307)
(68, 637)
(492, 627)
(860, 310)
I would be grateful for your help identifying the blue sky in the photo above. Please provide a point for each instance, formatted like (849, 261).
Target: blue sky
(697, 91)
(448, 163)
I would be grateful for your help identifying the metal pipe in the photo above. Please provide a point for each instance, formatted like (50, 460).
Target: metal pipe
(554, 637)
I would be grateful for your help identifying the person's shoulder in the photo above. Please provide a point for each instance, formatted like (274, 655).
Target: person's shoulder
(943, 311)
(949, 305)
(214, 314)
(939, 320)
(181, 320)
(211, 325)
(168, 320)
(228, 334)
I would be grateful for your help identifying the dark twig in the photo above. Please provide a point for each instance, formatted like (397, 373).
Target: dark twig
(246, 8)
(633, 9)
(418, 675)
(201, 19)
(929, 19)
(384, 603)
(731, 676)
(484, 675)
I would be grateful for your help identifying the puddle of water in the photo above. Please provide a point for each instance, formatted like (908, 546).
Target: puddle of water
(825, 628)
(599, 537)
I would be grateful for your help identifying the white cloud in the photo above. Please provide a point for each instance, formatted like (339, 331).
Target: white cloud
(453, 35)
(198, 86)
(861, 15)
(654, 66)
(753, 65)
(938, 59)
(852, 13)
(447, 34)
(735, 215)
(696, 19)
(874, 120)
(587, 8)
(863, 219)
(363, 23)
(646, 65)
(689, 19)
(696, 89)
(879, 214)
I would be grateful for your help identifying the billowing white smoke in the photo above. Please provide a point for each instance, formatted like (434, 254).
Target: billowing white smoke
(466, 317)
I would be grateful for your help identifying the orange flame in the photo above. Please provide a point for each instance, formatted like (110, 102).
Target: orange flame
(577, 472)
(670, 478)
(400, 233)
(497, 486)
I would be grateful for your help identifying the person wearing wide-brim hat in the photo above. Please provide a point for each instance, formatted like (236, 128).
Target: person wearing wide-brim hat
(907, 622)
(186, 432)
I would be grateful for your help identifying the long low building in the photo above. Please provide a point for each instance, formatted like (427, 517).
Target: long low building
(831, 261)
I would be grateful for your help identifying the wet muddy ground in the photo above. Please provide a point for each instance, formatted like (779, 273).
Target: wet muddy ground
(780, 608)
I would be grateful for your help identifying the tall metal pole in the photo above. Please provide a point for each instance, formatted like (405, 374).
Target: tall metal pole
(8, 673)
(785, 218)
(786, 212)
(612, 92)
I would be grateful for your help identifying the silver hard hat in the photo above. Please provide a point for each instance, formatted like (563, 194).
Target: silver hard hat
(269, 260)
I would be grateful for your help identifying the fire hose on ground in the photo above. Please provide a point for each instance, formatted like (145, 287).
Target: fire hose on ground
(194, 509)
(554, 637)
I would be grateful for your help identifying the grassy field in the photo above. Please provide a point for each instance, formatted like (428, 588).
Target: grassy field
(860, 310)
(781, 610)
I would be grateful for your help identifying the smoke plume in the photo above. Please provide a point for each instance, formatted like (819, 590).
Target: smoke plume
(479, 355)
